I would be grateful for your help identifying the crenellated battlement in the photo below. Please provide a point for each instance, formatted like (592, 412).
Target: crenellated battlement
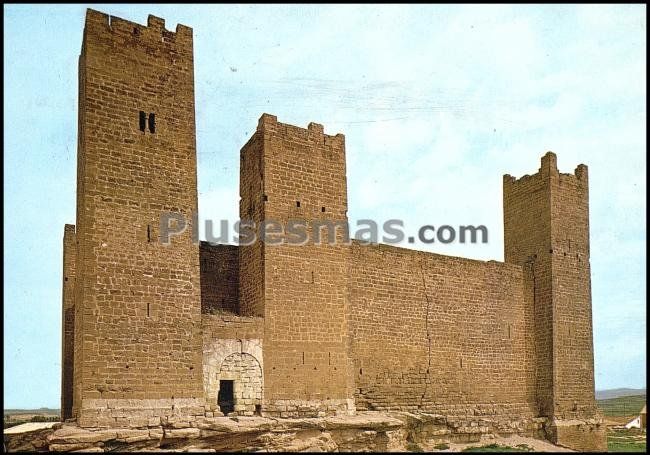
(314, 133)
(547, 169)
(152, 34)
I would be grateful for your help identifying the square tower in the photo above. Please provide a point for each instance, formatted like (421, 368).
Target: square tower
(291, 174)
(137, 301)
(546, 230)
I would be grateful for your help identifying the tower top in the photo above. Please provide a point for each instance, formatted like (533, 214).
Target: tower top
(548, 167)
(152, 33)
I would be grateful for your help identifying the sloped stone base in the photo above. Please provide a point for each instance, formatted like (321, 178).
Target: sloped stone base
(589, 435)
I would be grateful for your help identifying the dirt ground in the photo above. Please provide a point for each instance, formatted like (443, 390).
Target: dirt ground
(537, 445)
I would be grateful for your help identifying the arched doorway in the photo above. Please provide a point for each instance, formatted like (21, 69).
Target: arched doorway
(240, 385)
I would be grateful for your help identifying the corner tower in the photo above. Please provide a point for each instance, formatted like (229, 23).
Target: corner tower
(546, 229)
(137, 302)
(295, 174)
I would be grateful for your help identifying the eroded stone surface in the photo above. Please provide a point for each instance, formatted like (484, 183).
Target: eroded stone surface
(364, 432)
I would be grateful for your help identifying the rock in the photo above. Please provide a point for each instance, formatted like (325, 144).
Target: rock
(182, 433)
(74, 435)
(69, 447)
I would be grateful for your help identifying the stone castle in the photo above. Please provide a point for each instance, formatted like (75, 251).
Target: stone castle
(151, 330)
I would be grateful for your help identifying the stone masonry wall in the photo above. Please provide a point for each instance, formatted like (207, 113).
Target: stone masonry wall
(546, 224)
(219, 278)
(291, 173)
(246, 373)
(138, 308)
(440, 334)
(573, 335)
(251, 209)
(546, 218)
(527, 221)
(67, 339)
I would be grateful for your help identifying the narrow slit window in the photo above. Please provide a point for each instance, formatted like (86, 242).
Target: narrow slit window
(148, 309)
(143, 121)
(152, 123)
(266, 198)
(148, 233)
(322, 209)
(297, 203)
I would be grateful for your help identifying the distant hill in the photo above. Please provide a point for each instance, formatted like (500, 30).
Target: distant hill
(616, 393)
(39, 411)
(622, 406)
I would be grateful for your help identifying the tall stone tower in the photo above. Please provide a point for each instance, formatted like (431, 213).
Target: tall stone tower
(137, 301)
(546, 230)
(289, 173)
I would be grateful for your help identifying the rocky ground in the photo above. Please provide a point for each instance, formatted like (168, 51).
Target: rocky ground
(536, 445)
(372, 431)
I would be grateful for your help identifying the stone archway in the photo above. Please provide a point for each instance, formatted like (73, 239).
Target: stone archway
(215, 353)
(246, 373)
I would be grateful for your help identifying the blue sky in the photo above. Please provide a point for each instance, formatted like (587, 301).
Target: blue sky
(436, 102)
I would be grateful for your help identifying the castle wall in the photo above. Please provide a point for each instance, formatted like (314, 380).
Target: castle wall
(68, 317)
(138, 307)
(440, 334)
(219, 278)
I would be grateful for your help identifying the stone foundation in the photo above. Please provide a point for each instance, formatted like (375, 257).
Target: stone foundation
(589, 435)
(309, 408)
(435, 428)
(132, 413)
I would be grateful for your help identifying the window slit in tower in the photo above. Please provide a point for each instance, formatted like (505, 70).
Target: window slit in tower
(148, 309)
(143, 120)
(152, 122)
(297, 203)
(148, 233)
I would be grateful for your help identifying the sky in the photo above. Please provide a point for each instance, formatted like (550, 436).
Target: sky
(436, 102)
